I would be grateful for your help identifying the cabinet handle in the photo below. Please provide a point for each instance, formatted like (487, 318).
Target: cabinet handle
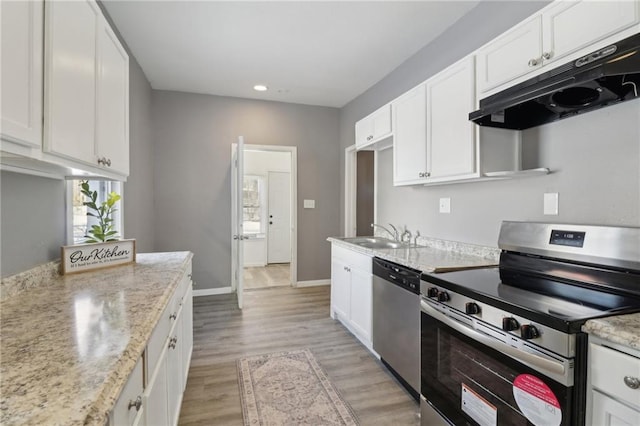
(172, 342)
(173, 316)
(632, 382)
(137, 404)
(104, 161)
(547, 55)
(369, 137)
(534, 62)
(424, 174)
(189, 276)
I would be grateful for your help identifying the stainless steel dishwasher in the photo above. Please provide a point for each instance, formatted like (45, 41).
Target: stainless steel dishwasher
(396, 321)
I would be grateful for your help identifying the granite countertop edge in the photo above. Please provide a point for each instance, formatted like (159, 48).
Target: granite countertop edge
(620, 329)
(467, 256)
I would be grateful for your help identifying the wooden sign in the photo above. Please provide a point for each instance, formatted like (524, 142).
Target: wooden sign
(87, 257)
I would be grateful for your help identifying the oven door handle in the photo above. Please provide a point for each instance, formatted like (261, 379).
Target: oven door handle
(534, 360)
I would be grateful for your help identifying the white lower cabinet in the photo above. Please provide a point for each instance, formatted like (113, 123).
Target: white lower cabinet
(155, 400)
(614, 385)
(351, 288)
(164, 391)
(166, 364)
(129, 409)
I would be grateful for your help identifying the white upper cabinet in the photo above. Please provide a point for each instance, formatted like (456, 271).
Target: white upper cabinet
(70, 73)
(21, 72)
(511, 55)
(434, 141)
(373, 128)
(564, 30)
(410, 137)
(450, 135)
(112, 133)
(65, 91)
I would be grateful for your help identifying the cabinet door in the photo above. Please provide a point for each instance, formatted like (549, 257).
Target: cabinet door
(450, 134)
(70, 78)
(515, 53)
(187, 333)
(155, 400)
(175, 383)
(374, 127)
(410, 138)
(609, 412)
(126, 411)
(570, 26)
(21, 71)
(340, 288)
(112, 132)
(361, 283)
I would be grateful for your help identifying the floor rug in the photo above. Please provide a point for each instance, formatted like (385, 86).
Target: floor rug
(289, 388)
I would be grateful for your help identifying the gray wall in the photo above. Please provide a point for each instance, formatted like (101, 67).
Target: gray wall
(480, 25)
(138, 207)
(32, 221)
(192, 139)
(595, 158)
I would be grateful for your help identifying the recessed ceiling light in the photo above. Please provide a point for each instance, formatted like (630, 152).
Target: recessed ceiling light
(260, 88)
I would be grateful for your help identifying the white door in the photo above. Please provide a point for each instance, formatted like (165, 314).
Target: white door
(237, 237)
(279, 229)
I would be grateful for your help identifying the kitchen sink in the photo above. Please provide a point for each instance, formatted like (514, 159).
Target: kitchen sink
(375, 242)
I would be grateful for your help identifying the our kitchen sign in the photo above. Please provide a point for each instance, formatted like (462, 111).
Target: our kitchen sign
(86, 257)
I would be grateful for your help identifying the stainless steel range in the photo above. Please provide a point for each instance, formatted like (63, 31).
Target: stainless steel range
(503, 346)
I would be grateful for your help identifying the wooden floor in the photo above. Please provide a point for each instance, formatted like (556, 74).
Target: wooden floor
(272, 275)
(278, 319)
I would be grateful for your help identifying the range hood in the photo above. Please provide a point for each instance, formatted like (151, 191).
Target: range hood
(604, 77)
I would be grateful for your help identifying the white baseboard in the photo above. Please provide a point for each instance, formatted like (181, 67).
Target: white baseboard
(211, 291)
(313, 283)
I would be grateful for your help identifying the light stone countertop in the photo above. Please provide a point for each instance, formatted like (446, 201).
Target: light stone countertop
(69, 344)
(622, 329)
(432, 256)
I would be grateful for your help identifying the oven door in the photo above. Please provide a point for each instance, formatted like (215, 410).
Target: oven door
(470, 383)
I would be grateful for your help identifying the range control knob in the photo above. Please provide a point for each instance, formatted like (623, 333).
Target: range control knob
(510, 324)
(433, 292)
(472, 308)
(528, 331)
(443, 296)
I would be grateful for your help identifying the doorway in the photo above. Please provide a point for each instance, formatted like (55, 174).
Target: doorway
(360, 187)
(268, 214)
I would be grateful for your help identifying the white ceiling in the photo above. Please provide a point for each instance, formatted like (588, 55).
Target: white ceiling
(307, 52)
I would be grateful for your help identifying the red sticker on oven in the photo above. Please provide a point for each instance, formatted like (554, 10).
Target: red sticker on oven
(537, 401)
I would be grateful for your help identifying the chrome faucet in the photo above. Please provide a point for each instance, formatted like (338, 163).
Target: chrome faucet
(415, 239)
(408, 234)
(393, 234)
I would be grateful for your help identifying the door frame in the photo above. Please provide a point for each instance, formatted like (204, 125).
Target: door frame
(350, 190)
(293, 170)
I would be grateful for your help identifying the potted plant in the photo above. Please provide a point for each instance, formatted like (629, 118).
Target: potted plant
(104, 230)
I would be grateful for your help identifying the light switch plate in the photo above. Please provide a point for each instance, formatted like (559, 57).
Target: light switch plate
(445, 205)
(551, 203)
(309, 204)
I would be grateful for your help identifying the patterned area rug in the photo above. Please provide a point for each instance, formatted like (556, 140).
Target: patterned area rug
(289, 388)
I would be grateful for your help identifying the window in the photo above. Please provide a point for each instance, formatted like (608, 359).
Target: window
(253, 205)
(77, 219)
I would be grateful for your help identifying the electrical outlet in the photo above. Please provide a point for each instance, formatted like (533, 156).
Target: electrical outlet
(445, 205)
(551, 203)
